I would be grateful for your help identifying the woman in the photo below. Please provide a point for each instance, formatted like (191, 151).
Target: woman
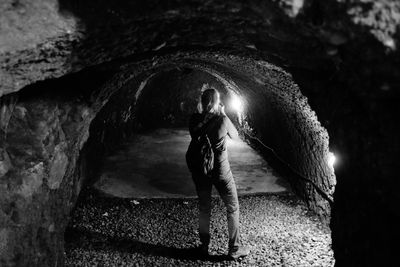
(218, 127)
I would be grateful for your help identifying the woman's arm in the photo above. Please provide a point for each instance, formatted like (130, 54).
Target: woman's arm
(230, 128)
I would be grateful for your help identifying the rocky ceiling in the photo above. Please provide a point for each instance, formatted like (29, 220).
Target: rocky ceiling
(68, 57)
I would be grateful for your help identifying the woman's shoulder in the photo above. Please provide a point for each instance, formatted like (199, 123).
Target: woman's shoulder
(196, 116)
(223, 118)
(209, 116)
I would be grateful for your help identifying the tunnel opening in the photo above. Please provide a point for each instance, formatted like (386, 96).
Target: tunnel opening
(277, 122)
(152, 159)
(111, 112)
(159, 105)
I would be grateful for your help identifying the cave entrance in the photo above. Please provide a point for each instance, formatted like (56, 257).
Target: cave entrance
(142, 131)
(152, 162)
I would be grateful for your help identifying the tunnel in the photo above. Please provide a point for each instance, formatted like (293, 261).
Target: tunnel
(83, 84)
(152, 111)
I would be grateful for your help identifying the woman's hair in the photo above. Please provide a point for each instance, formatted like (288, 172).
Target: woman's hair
(209, 100)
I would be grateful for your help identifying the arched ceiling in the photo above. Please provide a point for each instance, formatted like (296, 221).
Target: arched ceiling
(49, 38)
(350, 79)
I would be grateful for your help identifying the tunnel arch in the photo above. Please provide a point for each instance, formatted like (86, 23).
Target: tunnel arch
(293, 120)
(357, 107)
(67, 122)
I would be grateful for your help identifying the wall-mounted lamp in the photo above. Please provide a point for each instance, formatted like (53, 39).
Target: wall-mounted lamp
(331, 159)
(236, 104)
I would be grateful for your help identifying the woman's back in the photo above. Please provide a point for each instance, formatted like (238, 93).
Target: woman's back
(219, 128)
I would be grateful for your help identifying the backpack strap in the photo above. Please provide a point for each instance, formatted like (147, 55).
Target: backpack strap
(204, 126)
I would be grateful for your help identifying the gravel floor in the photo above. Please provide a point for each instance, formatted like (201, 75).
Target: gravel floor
(108, 231)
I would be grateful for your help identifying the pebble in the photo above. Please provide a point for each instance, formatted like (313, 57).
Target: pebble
(160, 232)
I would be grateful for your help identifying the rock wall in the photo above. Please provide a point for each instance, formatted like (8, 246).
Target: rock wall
(61, 119)
(302, 144)
(38, 157)
(275, 112)
(349, 77)
(41, 138)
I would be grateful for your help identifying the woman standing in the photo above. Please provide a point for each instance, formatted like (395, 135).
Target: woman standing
(218, 127)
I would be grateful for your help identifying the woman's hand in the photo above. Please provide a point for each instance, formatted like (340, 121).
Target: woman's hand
(222, 109)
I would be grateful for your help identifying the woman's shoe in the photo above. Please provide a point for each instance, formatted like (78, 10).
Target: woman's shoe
(239, 252)
(202, 251)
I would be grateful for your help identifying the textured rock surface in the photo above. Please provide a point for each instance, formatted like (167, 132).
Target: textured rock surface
(56, 124)
(288, 125)
(279, 231)
(42, 137)
(351, 82)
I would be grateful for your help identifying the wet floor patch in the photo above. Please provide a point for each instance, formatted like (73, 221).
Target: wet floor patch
(153, 165)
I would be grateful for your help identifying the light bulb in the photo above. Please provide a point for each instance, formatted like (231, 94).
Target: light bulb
(331, 159)
(237, 104)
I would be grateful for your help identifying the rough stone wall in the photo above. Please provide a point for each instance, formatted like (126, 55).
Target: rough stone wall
(275, 110)
(33, 189)
(289, 127)
(306, 150)
(349, 78)
(105, 32)
(115, 121)
(41, 172)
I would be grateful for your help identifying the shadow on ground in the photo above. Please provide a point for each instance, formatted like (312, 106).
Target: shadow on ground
(111, 231)
(99, 242)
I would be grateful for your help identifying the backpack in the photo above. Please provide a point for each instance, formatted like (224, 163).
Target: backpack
(200, 154)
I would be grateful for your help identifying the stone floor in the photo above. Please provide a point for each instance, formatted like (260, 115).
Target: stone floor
(112, 231)
(153, 165)
(142, 212)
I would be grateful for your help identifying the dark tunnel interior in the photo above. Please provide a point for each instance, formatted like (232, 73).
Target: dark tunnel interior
(165, 99)
(92, 86)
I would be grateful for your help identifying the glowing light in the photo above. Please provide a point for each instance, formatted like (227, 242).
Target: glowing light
(331, 159)
(297, 6)
(389, 42)
(236, 104)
